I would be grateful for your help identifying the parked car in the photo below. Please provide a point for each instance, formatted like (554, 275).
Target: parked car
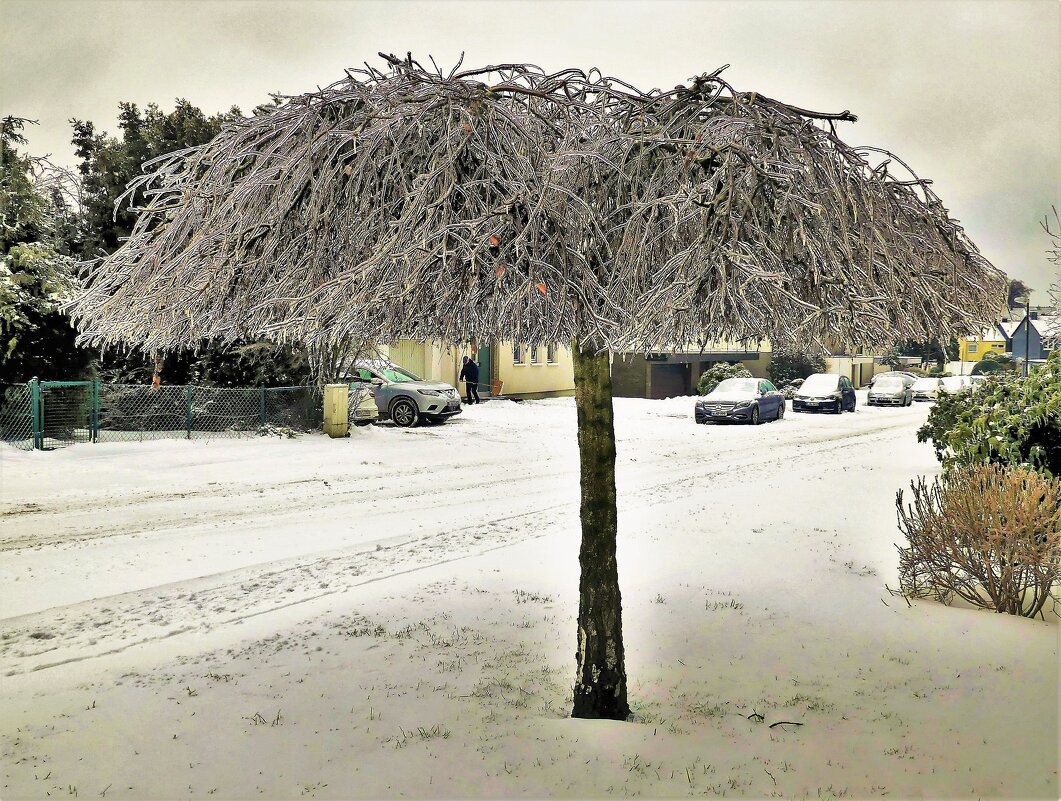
(743, 400)
(909, 378)
(926, 388)
(363, 410)
(891, 390)
(953, 384)
(976, 380)
(404, 397)
(830, 392)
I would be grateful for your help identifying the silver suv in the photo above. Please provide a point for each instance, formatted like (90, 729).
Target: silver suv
(404, 397)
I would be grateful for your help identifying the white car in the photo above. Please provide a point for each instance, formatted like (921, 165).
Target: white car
(363, 409)
(926, 389)
(404, 397)
(953, 384)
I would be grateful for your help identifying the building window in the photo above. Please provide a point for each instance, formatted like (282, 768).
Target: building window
(550, 354)
(534, 356)
(517, 354)
(972, 348)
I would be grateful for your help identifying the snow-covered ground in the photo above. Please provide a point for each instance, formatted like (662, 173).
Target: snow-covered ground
(393, 615)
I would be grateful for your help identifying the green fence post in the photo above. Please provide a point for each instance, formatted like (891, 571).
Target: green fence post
(262, 416)
(37, 433)
(188, 409)
(95, 410)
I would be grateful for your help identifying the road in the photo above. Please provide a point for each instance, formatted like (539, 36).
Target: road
(105, 546)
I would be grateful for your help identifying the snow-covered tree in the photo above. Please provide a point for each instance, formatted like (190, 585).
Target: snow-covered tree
(508, 203)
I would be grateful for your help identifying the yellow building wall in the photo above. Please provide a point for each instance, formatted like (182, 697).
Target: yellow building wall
(535, 380)
(758, 367)
(408, 354)
(531, 379)
(859, 369)
(437, 362)
(973, 350)
(429, 360)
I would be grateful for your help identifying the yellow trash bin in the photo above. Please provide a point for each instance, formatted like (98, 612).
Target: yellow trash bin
(337, 410)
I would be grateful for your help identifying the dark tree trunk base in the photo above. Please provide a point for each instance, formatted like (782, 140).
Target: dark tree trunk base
(600, 682)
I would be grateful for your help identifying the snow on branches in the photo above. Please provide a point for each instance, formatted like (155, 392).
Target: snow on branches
(510, 203)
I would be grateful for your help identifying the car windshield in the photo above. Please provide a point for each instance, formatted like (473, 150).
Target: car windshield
(819, 384)
(926, 383)
(734, 385)
(890, 382)
(388, 372)
(397, 374)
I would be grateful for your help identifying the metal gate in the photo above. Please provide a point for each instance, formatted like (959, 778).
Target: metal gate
(67, 411)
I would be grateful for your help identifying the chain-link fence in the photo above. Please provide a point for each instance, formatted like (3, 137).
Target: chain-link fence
(16, 416)
(136, 412)
(50, 414)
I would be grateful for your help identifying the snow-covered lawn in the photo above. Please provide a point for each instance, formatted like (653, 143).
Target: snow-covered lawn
(393, 615)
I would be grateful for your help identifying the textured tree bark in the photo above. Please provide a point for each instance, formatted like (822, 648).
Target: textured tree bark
(600, 682)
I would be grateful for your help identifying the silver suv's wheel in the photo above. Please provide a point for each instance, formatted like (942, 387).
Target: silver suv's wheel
(404, 413)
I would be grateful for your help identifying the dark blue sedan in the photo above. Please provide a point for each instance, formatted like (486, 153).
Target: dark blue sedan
(741, 400)
(825, 392)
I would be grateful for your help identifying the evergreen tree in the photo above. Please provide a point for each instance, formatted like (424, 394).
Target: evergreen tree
(37, 234)
(788, 364)
(107, 165)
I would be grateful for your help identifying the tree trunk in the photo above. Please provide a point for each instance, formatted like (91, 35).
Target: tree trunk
(600, 683)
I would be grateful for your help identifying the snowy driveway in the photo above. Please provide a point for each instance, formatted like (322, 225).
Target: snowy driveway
(752, 561)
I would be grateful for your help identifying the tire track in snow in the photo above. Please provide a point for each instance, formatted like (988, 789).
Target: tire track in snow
(112, 624)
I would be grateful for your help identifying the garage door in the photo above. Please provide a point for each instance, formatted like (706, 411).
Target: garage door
(410, 355)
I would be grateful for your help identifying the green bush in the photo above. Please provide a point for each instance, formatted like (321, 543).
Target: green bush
(995, 363)
(787, 364)
(710, 379)
(1008, 420)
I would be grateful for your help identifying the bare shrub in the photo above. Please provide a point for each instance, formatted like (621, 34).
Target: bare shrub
(990, 535)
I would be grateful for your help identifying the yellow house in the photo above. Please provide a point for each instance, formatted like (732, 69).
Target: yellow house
(548, 370)
(504, 371)
(972, 349)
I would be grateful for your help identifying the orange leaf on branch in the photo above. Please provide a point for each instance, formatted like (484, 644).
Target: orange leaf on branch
(541, 288)
(494, 241)
(499, 270)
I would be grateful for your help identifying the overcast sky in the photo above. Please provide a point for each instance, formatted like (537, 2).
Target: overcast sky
(968, 93)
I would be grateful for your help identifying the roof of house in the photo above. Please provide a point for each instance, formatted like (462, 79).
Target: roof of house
(1008, 327)
(988, 335)
(1048, 325)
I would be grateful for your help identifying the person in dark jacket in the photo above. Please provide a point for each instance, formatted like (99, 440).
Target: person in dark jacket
(470, 374)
